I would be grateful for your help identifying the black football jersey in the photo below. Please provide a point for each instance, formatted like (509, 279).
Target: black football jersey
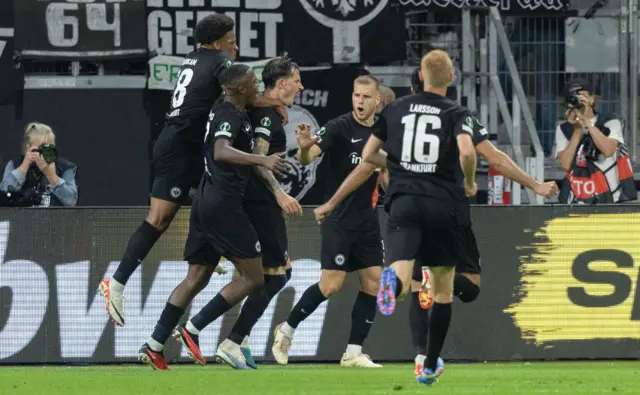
(197, 88)
(225, 182)
(419, 134)
(341, 141)
(267, 125)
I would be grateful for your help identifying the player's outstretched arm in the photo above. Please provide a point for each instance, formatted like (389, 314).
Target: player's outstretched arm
(468, 162)
(357, 177)
(224, 152)
(286, 202)
(372, 154)
(508, 168)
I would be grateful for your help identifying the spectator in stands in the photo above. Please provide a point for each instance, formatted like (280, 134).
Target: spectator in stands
(387, 95)
(590, 147)
(39, 176)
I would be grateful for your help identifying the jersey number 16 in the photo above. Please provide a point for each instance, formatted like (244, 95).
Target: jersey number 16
(417, 144)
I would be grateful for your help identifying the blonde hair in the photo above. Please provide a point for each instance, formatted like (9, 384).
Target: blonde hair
(436, 67)
(368, 79)
(37, 129)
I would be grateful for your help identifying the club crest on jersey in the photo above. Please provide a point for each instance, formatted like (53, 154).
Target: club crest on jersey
(266, 122)
(228, 64)
(175, 192)
(224, 127)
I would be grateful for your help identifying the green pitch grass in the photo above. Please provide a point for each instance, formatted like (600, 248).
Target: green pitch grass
(488, 378)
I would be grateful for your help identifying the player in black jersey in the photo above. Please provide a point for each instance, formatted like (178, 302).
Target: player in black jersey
(176, 153)
(264, 203)
(218, 225)
(466, 283)
(425, 145)
(351, 234)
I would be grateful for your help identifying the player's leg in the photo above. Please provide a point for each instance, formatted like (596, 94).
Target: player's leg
(169, 192)
(442, 289)
(270, 226)
(440, 251)
(202, 261)
(466, 284)
(403, 239)
(421, 300)
(366, 260)
(334, 253)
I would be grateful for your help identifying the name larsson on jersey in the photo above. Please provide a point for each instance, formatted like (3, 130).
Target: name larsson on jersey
(420, 149)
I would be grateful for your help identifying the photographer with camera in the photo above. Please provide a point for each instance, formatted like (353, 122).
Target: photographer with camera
(41, 178)
(590, 147)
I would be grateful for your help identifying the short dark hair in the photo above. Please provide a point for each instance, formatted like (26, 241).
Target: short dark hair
(277, 68)
(232, 75)
(212, 28)
(368, 79)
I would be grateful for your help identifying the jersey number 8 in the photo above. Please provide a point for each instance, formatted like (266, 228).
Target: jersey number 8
(179, 93)
(426, 146)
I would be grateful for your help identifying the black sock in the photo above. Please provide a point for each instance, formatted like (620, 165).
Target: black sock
(168, 321)
(211, 312)
(255, 305)
(398, 287)
(419, 323)
(362, 315)
(465, 289)
(438, 327)
(308, 303)
(140, 243)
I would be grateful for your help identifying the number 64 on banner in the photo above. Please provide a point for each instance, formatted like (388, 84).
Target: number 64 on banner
(61, 17)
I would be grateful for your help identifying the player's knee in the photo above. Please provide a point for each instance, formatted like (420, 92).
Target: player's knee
(159, 221)
(274, 284)
(329, 287)
(470, 293)
(195, 284)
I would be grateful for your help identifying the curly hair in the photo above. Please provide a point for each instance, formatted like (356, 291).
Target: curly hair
(212, 28)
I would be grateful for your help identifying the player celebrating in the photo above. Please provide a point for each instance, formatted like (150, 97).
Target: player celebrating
(351, 234)
(466, 283)
(176, 154)
(264, 202)
(218, 225)
(424, 192)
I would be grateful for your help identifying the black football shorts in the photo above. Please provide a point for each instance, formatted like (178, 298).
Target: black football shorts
(216, 231)
(422, 228)
(178, 164)
(350, 250)
(268, 221)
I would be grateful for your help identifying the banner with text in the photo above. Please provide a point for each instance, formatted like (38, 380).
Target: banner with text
(558, 282)
(73, 29)
(521, 7)
(310, 31)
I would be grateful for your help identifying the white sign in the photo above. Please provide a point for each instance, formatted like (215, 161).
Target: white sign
(82, 318)
(170, 25)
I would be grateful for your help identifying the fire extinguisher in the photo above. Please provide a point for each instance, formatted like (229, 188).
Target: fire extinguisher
(499, 188)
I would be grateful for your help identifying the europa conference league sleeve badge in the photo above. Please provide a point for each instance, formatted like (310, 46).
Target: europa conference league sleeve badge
(344, 17)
